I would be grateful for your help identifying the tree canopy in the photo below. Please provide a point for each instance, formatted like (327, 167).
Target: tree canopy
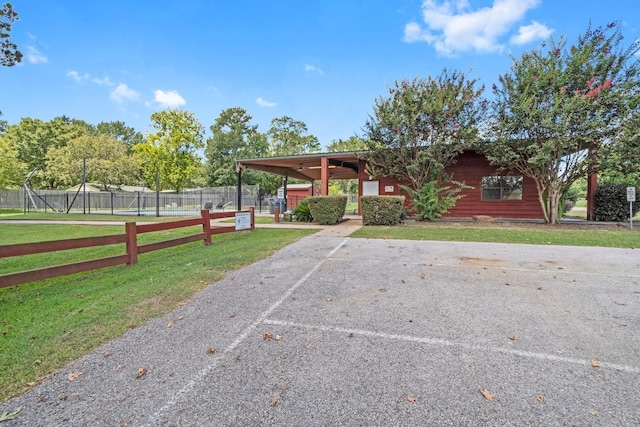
(288, 138)
(9, 53)
(32, 138)
(560, 102)
(12, 170)
(107, 162)
(422, 126)
(233, 137)
(172, 150)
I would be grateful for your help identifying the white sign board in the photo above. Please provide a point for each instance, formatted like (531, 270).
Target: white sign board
(243, 221)
(631, 194)
(280, 194)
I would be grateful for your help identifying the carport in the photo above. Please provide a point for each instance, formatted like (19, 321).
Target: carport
(309, 167)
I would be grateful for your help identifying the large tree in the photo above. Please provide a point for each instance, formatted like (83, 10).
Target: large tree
(233, 137)
(9, 53)
(559, 103)
(420, 128)
(288, 138)
(121, 132)
(12, 171)
(32, 138)
(172, 150)
(107, 162)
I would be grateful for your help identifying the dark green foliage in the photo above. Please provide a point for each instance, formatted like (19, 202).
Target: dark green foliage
(432, 201)
(302, 212)
(568, 199)
(327, 209)
(382, 210)
(611, 202)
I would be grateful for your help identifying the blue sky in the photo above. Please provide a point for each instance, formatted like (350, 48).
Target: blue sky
(323, 62)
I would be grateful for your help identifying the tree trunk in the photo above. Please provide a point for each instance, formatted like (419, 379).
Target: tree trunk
(549, 197)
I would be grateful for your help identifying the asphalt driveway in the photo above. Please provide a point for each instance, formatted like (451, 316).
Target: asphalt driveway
(340, 331)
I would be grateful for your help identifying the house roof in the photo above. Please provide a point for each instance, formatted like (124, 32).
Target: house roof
(307, 166)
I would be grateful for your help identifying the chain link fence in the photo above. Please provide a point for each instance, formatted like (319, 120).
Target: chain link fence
(140, 203)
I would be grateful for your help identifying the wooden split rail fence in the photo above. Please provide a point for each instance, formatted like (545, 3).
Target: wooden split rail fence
(130, 239)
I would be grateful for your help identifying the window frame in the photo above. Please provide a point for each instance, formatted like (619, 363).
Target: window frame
(505, 186)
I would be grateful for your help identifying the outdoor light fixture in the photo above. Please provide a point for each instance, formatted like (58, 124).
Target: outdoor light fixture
(320, 167)
(300, 167)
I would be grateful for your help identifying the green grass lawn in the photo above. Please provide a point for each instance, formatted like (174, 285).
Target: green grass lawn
(45, 325)
(569, 235)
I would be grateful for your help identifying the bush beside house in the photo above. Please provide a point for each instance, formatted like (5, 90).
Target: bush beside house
(327, 210)
(382, 210)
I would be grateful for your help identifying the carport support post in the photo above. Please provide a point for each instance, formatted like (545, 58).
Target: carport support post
(286, 182)
(324, 176)
(239, 174)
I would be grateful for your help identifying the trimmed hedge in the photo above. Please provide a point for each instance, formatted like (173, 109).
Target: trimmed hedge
(611, 202)
(381, 210)
(327, 210)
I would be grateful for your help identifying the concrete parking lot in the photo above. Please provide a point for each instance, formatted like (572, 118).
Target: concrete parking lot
(342, 331)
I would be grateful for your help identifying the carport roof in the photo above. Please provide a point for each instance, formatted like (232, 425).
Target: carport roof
(344, 165)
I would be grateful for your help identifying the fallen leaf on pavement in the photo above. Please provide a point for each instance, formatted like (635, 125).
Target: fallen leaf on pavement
(6, 416)
(594, 413)
(412, 399)
(170, 325)
(278, 337)
(267, 336)
(620, 303)
(595, 363)
(512, 337)
(211, 351)
(73, 375)
(487, 394)
(540, 398)
(141, 372)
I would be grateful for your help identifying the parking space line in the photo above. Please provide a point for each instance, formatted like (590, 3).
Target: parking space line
(447, 343)
(153, 419)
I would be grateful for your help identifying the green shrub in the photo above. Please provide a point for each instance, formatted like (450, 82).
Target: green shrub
(611, 202)
(327, 209)
(568, 199)
(431, 202)
(302, 212)
(382, 210)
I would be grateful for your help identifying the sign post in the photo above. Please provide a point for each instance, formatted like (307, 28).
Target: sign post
(631, 197)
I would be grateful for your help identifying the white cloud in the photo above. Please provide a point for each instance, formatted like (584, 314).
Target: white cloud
(170, 99)
(123, 93)
(528, 33)
(105, 81)
(35, 57)
(261, 102)
(77, 77)
(312, 68)
(453, 28)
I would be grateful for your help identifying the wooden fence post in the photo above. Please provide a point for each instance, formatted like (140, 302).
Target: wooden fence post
(253, 217)
(206, 226)
(276, 211)
(132, 242)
